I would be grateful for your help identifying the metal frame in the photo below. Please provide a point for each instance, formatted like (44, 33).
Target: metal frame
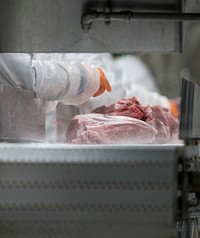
(88, 191)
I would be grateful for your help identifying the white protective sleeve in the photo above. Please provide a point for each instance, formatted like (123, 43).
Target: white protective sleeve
(71, 84)
(128, 77)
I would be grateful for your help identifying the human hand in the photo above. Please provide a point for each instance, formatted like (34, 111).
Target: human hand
(104, 84)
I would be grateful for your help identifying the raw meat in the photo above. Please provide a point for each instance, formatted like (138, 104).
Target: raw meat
(163, 132)
(126, 107)
(160, 118)
(165, 116)
(126, 121)
(103, 129)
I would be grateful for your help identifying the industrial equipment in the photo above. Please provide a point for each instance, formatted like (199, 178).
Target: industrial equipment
(96, 191)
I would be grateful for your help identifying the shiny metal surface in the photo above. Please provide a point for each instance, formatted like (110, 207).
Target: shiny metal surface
(190, 111)
(54, 26)
(22, 116)
(59, 190)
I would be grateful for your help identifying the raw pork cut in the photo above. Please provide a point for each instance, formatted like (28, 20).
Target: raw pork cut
(103, 129)
(163, 132)
(129, 107)
(160, 118)
(165, 116)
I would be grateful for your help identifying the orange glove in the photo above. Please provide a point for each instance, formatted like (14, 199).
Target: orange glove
(175, 107)
(104, 84)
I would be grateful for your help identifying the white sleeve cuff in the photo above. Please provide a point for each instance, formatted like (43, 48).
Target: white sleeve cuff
(71, 84)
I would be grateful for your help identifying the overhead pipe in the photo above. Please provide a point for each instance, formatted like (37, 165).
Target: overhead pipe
(89, 17)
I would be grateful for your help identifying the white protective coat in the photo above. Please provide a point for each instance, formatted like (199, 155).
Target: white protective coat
(71, 83)
(127, 75)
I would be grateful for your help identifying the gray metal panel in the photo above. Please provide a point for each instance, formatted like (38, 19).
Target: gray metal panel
(49, 190)
(192, 5)
(22, 116)
(54, 26)
(190, 111)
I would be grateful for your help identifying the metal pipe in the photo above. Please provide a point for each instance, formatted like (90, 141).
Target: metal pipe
(89, 17)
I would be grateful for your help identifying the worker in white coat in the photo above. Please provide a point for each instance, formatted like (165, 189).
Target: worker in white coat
(127, 75)
(71, 83)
